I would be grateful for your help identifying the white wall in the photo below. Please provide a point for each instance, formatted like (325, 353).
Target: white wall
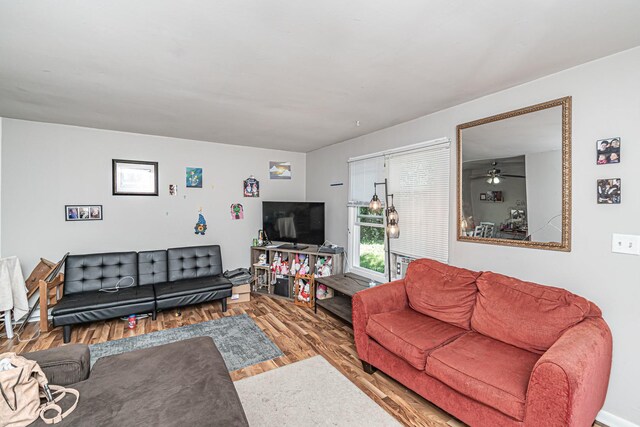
(544, 195)
(46, 166)
(606, 102)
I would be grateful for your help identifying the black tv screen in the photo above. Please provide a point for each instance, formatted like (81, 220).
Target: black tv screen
(294, 222)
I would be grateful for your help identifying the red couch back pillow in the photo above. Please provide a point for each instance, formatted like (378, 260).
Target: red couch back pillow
(441, 291)
(525, 314)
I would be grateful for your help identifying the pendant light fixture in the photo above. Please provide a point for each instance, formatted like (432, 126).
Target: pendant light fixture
(391, 216)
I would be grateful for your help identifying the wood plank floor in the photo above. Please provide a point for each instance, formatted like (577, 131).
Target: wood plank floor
(297, 331)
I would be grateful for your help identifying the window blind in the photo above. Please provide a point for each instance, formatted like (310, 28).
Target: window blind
(362, 174)
(419, 181)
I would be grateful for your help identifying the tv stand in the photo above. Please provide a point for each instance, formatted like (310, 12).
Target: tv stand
(284, 286)
(293, 247)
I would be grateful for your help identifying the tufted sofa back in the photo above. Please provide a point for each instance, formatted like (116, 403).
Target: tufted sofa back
(152, 267)
(96, 271)
(194, 262)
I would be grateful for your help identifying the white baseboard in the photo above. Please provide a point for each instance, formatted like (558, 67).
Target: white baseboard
(611, 420)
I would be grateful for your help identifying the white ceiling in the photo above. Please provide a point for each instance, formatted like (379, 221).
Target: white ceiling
(294, 75)
(530, 133)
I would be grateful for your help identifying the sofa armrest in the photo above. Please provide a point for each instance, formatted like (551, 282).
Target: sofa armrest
(569, 382)
(379, 299)
(64, 365)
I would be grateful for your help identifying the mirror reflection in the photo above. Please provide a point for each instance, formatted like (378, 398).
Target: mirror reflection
(510, 178)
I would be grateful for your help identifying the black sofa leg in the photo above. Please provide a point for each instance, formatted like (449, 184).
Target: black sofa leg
(224, 304)
(154, 314)
(66, 333)
(368, 367)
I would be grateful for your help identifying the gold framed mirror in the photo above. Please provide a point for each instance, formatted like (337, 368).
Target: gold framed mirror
(514, 178)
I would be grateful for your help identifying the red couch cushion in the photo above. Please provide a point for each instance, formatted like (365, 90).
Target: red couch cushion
(410, 335)
(441, 291)
(487, 370)
(524, 314)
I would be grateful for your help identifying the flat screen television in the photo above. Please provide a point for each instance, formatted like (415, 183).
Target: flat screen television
(294, 222)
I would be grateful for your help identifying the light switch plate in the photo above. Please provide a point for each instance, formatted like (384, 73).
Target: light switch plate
(625, 244)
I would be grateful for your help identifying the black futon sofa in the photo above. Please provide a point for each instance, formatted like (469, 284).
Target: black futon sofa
(104, 286)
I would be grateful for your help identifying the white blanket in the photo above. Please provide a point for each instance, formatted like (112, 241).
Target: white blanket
(13, 291)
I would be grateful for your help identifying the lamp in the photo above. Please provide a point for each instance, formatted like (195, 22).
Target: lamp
(493, 180)
(375, 204)
(391, 214)
(393, 231)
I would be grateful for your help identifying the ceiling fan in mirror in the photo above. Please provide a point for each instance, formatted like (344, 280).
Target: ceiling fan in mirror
(495, 176)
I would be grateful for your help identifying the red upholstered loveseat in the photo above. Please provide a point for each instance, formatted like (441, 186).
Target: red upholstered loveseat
(489, 349)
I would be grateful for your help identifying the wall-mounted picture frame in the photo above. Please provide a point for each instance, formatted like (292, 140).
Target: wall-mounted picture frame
(83, 212)
(251, 187)
(608, 151)
(609, 191)
(279, 170)
(492, 196)
(134, 178)
(194, 177)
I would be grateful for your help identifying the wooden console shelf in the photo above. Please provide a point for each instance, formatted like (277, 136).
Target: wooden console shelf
(286, 281)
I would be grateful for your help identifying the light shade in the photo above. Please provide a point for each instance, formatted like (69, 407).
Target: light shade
(392, 214)
(375, 204)
(493, 180)
(393, 230)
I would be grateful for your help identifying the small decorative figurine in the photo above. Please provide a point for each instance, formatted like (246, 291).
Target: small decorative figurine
(304, 268)
(201, 225)
(284, 268)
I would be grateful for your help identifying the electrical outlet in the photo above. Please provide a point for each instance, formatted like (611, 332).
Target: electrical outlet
(625, 244)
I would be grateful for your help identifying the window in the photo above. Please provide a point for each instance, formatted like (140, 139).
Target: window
(369, 229)
(418, 177)
(366, 249)
(419, 182)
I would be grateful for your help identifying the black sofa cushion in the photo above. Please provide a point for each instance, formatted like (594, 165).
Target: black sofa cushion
(152, 267)
(85, 273)
(97, 300)
(193, 286)
(94, 315)
(194, 262)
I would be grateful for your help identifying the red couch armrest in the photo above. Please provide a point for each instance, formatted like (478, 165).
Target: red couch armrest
(379, 299)
(569, 383)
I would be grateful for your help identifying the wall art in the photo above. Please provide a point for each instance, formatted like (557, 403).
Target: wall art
(194, 177)
(492, 196)
(609, 191)
(134, 178)
(237, 211)
(201, 226)
(83, 212)
(173, 190)
(279, 170)
(251, 187)
(608, 151)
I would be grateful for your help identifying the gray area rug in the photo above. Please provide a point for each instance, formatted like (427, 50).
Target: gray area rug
(308, 393)
(240, 341)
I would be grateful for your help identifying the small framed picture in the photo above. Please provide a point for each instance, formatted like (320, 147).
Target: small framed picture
(609, 191)
(135, 178)
(83, 212)
(608, 151)
(194, 177)
(494, 196)
(483, 196)
(251, 187)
